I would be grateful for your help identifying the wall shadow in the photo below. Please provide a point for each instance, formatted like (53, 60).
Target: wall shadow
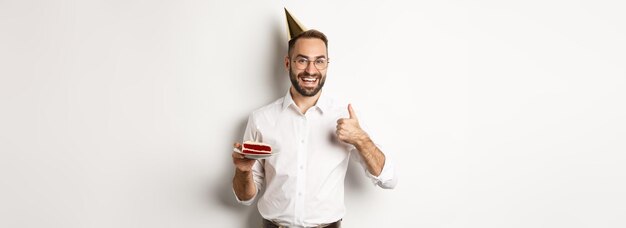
(356, 180)
(278, 78)
(278, 82)
(222, 191)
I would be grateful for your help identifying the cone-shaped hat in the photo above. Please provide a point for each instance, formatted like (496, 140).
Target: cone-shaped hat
(294, 27)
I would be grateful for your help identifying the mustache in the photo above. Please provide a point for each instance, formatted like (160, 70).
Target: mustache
(308, 74)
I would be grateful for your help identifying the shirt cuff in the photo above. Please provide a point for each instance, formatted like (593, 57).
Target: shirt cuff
(387, 178)
(246, 202)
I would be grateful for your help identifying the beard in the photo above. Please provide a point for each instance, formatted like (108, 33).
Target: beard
(307, 92)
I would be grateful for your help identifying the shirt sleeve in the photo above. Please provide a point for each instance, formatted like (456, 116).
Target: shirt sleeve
(388, 178)
(258, 172)
(259, 177)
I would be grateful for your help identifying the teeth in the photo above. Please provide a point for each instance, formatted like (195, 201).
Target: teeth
(309, 79)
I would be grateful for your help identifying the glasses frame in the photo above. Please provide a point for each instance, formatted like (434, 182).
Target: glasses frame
(309, 62)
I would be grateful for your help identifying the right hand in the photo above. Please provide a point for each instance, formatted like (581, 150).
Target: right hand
(242, 163)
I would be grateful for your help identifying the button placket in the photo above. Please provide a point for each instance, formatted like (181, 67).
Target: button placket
(303, 160)
(301, 174)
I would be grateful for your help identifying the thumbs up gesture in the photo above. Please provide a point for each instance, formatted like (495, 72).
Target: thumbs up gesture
(349, 130)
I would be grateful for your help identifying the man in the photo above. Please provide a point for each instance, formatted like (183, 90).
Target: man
(313, 139)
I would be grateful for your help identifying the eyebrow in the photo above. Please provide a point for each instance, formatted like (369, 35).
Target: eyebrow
(307, 57)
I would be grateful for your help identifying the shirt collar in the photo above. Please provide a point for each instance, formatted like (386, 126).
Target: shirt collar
(322, 104)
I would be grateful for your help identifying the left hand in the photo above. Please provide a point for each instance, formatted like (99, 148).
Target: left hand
(349, 130)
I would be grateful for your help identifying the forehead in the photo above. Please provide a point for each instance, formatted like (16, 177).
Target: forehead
(311, 47)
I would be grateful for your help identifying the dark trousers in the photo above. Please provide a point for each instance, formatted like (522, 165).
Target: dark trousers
(270, 224)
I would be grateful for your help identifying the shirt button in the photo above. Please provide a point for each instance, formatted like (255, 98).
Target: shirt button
(302, 141)
(299, 193)
(301, 167)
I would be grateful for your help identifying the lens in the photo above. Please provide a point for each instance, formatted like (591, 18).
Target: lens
(303, 63)
(320, 64)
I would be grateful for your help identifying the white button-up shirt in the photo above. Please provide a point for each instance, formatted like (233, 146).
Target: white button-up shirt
(304, 179)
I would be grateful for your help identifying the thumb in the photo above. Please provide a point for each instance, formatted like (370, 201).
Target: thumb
(351, 112)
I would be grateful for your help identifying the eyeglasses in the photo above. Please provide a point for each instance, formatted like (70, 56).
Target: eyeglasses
(302, 63)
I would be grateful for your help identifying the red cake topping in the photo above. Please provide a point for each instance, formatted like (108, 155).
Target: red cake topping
(256, 148)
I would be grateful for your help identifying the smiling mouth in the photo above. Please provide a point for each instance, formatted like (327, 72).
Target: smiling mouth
(308, 81)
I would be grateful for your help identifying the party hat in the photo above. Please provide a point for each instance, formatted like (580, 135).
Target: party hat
(294, 27)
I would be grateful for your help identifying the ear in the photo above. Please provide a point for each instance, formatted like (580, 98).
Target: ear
(287, 62)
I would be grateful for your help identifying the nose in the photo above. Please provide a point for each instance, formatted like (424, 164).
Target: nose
(310, 68)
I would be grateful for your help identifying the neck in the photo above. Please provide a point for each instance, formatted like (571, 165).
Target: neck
(304, 102)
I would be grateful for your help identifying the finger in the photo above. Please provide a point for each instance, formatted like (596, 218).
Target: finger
(237, 155)
(340, 127)
(351, 112)
(340, 136)
(238, 146)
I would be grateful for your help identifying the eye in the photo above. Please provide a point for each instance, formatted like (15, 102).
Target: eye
(320, 61)
(302, 61)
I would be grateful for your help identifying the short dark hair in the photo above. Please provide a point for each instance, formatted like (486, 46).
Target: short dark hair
(311, 33)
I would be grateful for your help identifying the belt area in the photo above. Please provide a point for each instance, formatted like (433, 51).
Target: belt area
(270, 224)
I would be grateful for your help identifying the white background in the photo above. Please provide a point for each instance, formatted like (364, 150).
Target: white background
(498, 113)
